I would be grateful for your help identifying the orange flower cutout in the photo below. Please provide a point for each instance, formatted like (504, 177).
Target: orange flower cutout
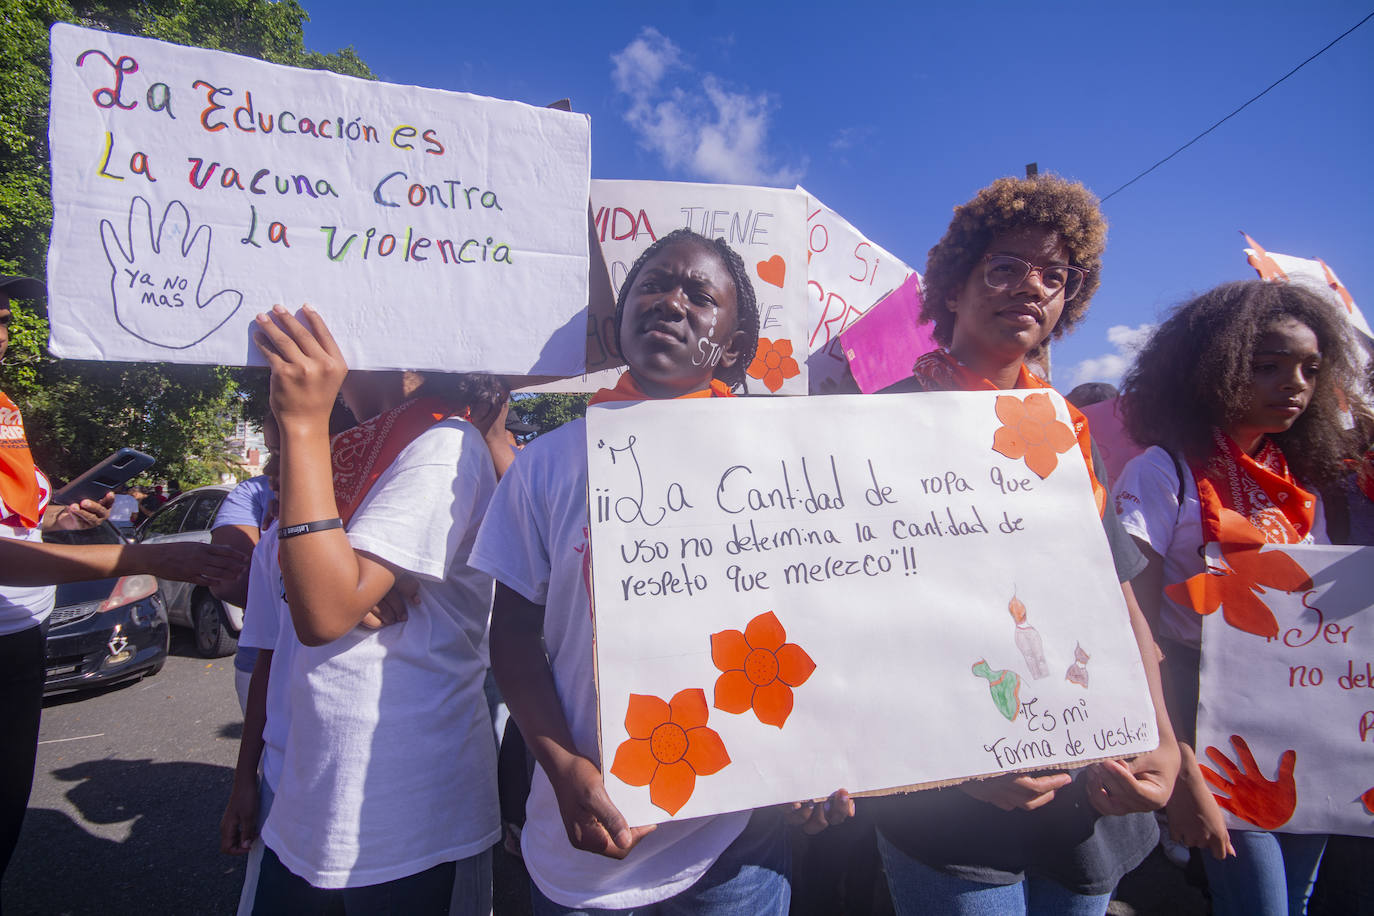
(669, 747)
(773, 363)
(1236, 585)
(760, 669)
(1032, 431)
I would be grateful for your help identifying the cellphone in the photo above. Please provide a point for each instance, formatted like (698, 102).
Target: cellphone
(123, 465)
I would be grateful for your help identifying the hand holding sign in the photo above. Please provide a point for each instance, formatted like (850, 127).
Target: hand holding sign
(1264, 803)
(153, 288)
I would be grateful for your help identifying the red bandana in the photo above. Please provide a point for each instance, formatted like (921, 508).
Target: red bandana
(360, 455)
(627, 389)
(1259, 489)
(19, 488)
(940, 371)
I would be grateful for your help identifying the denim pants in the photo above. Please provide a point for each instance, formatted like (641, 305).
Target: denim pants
(917, 888)
(752, 875)
(1271, 874)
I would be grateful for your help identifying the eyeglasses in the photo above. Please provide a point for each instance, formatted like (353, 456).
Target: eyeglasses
(1003, 272)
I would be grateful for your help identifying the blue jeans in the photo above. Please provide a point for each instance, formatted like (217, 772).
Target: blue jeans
(917, 888)
(1271, 874)
(753, 875)
(461, 888)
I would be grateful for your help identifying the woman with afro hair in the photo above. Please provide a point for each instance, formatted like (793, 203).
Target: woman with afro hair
(1238, 395)
(1019, 265)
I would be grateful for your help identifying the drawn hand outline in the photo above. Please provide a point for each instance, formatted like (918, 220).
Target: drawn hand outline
(1268, 804)
(151, 290)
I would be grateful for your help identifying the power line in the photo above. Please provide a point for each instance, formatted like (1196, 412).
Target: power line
(1238, 110)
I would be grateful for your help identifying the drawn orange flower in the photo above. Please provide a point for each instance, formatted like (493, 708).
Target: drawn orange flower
(1236, 585)
(773, 363)
(1032, 431)
(760, 669)
(669, 747)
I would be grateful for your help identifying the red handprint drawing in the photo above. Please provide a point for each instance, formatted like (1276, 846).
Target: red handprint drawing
(1264, 803)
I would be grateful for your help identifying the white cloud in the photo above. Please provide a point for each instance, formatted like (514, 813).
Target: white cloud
(693, 121)
(1110, 367)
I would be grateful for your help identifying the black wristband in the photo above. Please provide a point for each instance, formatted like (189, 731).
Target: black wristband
(325, 524)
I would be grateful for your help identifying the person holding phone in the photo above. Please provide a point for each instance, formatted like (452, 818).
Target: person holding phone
(24, 515)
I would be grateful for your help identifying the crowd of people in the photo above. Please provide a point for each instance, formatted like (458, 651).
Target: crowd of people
(399, 555)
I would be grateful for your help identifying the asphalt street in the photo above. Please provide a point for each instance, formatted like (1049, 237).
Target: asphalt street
(127, 796)
(131, 782)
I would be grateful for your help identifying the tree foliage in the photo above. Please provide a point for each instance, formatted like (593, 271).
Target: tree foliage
(549, 411)
(78, 412)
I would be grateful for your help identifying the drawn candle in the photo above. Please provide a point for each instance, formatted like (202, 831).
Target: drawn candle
(1028, 641)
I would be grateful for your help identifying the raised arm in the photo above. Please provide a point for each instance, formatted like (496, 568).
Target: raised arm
(329, 585)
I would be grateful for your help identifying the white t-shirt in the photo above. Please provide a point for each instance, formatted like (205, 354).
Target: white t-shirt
(1146, 499)
(535, 540)
(22, 607)
(265, 619)
(389, 767)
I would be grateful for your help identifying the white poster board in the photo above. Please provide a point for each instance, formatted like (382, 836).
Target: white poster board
(193, 189)
(816, 593)
(1300, 704)
(846, 275)
(1314, 273)
(765, 226)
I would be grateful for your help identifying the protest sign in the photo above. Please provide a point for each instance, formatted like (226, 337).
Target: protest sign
(193, 189)
(846, 274)
(884, 344)
(1312, 273)
(1286, 720)
(765, 227)
(778, 616)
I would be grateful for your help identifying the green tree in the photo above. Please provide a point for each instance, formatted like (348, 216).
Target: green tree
(77, 412)
(549, 411)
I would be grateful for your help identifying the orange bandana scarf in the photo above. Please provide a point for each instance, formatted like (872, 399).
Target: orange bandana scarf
(19, 487)
(1259, 489)
(360, 455)
(940, 371)
(627, 389)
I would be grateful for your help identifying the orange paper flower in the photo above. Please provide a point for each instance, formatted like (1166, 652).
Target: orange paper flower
(760, 669)
(1032, 431)
(773, 363)
(1235, 586)
(669, 747)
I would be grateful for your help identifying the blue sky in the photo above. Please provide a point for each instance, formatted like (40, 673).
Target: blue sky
(893, 114)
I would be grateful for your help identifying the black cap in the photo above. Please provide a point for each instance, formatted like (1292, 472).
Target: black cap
(22, 288)
(519, 426)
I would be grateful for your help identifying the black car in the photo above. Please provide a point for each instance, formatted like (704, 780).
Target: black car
(104, 630)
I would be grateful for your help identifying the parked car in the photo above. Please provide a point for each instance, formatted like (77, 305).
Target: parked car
(190, 517)
(104, 630)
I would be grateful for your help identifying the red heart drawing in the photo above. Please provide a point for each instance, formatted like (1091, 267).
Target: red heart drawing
(773, 270)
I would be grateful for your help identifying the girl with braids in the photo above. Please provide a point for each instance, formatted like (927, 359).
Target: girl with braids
(1238, 396)
(687, 324)
(385, 785)
(1017, 266)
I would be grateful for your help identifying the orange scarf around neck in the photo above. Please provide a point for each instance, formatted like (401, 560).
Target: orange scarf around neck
(1260, 489)
(627, 389)
(19, 487)
(360, 455)
(938, 370)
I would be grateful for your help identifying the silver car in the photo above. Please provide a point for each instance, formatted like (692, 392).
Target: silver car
(190, 517)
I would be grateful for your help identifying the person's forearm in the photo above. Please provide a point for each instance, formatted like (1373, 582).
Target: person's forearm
(321, 571)
(240, 537)
(28, 563)
(522, 672)
(251, 742)
(1149, 658)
